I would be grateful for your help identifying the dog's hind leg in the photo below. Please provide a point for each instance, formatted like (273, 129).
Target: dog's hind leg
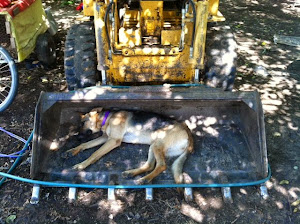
(148, 166)
(86, 145)
(159, 154)
(177, 167)
(111, 144)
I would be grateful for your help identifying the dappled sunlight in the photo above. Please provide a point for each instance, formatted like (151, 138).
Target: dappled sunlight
(288, 191)
(107, 208)
(217, 152)
(65, 18)
(206, 206)
(264, 66)
(274, 91)
(243, 191)
(206, 122)
(201, 201)
(89, 198)
(88, 94)
(290, 7)
(192, 212)
(293, 192)
(112, 207)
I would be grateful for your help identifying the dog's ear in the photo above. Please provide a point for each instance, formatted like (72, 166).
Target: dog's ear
(84, 117)
(97, 109)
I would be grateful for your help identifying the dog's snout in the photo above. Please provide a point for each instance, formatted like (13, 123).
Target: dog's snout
(88, 132)
(84, 134)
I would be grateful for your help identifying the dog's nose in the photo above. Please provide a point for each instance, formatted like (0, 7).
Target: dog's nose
(84, 134)
(88, 132)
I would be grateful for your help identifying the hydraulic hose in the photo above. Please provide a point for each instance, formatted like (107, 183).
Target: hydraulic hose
(110, 46)
(105, 22)
(194, 20)
(194, 24)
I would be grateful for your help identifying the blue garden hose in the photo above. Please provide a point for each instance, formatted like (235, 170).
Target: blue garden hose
(15, 154)
(55, 184)
(18, 159)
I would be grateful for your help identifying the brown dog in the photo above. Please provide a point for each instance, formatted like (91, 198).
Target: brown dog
(166, 137)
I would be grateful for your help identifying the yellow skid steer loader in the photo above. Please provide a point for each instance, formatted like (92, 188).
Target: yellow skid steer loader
(162, 57)
(149, 42)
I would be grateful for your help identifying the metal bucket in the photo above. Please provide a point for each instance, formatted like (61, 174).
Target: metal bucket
(228, 130)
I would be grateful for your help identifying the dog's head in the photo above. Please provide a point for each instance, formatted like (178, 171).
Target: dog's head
(91, 122)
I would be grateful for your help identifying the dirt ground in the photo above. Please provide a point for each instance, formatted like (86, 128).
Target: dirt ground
(254, 23)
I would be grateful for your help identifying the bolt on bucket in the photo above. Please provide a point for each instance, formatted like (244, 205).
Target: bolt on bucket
(228, 131)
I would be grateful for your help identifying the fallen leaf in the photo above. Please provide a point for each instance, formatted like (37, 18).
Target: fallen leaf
(276, 134)
(44, 80)
(284, 182)
(296, 210)
(296, 203)
(10, 219)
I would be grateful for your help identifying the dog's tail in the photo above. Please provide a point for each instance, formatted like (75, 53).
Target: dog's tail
(177, 167)
(190, 147)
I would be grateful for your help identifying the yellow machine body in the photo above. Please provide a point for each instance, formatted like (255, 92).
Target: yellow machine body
(152, 43)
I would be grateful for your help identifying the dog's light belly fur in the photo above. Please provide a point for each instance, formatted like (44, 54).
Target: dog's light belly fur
(175, 147)
(138, 138)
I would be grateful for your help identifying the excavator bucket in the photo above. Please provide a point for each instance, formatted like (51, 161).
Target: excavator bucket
(228, 130)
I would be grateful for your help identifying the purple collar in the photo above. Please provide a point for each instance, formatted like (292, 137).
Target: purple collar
(105, 118)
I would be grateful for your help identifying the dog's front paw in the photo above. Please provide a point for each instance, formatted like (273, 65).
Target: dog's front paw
(79, 166)
(141, 181)
(71, 152)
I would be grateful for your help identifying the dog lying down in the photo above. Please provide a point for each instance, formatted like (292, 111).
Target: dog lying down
(166, 137)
